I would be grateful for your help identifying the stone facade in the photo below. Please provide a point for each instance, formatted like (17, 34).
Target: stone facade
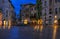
(7, 10)
(28, 11)
(50, 11)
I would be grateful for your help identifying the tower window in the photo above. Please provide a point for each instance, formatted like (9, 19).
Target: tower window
(50, 12)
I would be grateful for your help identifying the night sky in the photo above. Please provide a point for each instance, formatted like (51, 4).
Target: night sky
(16, 4)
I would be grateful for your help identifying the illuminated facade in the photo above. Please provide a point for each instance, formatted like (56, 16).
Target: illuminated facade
(1, 15)
(27, 11)
(50, 11)
(7, 10)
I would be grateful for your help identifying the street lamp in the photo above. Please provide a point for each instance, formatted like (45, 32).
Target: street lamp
(55, 16)
(55, 21)
(25, 21)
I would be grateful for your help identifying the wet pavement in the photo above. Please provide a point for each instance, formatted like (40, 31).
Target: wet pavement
(16, 33)
(28, 32)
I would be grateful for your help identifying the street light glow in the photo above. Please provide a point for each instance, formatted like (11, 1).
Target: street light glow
(55, 21)
(25, 21)
(55, 16)
(54, 31)
(40, 21)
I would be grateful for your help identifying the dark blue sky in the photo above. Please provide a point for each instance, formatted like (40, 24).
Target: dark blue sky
(17, 3)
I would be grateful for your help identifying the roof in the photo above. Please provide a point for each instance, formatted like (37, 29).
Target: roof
(11, 3)
(27, 4)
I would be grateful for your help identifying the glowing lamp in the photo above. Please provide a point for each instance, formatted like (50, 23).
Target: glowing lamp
(25, 21)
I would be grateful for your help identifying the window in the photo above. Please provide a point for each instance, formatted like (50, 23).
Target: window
(50, 12)
(50, 2)
(50, 21)
(59, 10)
(50, 9)
(6, 11)
(45, 3)
(55, 10)
(50, 16)
(45, 16)
(35, 8)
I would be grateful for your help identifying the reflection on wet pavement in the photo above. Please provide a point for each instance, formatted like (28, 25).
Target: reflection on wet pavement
(54, 32)
(28, 32)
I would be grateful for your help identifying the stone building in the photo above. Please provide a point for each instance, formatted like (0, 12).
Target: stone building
(50, 11)
(28, 11)
(7, 11)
